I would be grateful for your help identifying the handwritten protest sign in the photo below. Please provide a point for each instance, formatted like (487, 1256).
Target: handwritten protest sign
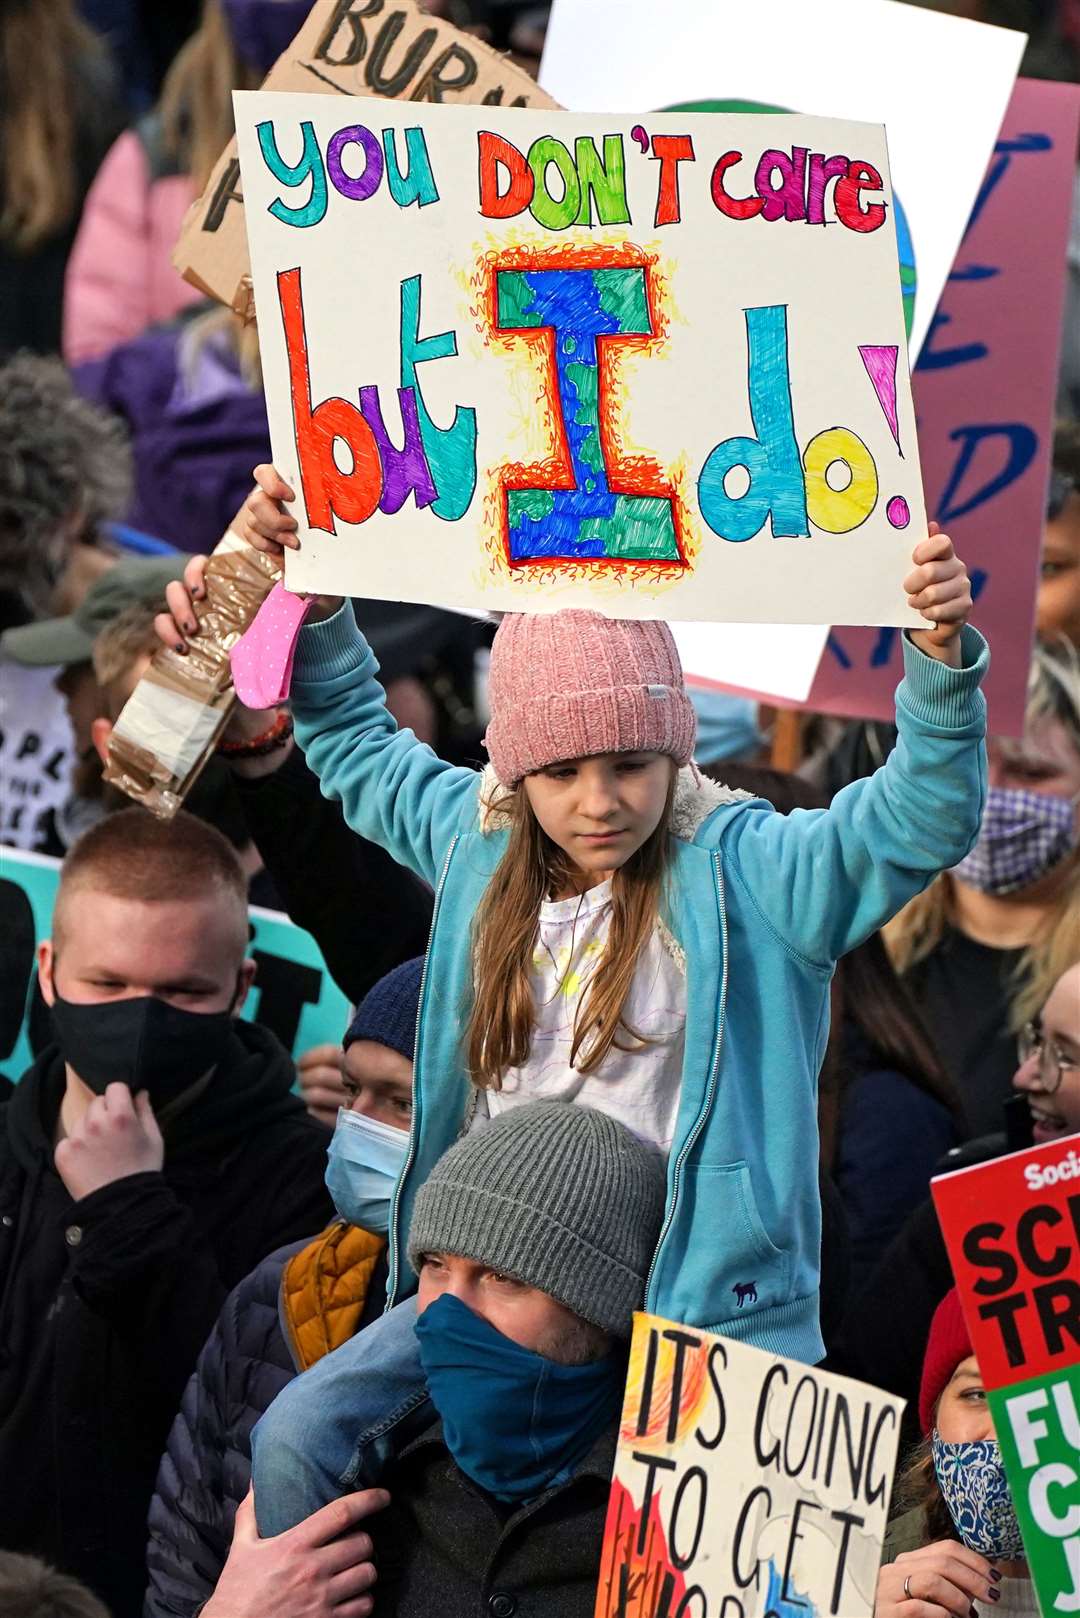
(293, 995)
(984, 396)
(346, 47)
(1012, 1228)
(745, 1485)
(939, 84)
(524, 360)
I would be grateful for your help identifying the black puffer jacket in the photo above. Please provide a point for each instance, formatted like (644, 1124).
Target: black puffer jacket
(337, 1284)
(106, 1302)
(205, 1471)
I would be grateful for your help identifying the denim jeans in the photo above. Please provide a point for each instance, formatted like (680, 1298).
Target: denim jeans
(335, 1428)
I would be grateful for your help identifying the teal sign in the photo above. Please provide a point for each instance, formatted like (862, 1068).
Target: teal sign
(293, 995)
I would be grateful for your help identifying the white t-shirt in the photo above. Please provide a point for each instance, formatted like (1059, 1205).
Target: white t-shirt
(639, 1087)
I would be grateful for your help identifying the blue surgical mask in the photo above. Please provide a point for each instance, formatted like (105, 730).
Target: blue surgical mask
(973, 1484)
(515, 1422)
(364, 1161)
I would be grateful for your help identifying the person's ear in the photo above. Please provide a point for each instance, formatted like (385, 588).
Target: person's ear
(46, 961)
(245, 978)
(100, 731)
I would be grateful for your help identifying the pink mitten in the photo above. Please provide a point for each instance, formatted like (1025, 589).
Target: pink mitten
(262, 659)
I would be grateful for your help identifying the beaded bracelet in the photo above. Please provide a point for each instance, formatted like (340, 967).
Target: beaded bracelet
(277, 736)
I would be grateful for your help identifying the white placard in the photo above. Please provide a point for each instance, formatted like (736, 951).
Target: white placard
(939, 84)
(522, 360)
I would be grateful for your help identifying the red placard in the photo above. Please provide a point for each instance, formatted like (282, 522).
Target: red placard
(1012, 1228)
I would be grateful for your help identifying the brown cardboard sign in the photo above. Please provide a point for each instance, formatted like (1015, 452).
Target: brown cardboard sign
(349, 47)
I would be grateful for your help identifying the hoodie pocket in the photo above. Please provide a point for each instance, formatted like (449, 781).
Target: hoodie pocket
(728, 1265)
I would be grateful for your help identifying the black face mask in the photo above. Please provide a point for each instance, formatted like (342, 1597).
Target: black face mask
(144, 1043)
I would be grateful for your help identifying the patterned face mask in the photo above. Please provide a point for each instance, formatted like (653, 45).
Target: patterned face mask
(1023, 835)
(972, 1481)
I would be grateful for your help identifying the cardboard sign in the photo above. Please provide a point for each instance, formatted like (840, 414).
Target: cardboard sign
(1012, 1228)
(984, 398)
(745, 1485)
(293, 994)
(528, 360)
(939, 84)
(346, 47)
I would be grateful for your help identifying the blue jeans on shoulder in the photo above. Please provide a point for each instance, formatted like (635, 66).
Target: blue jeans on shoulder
(335, 1428)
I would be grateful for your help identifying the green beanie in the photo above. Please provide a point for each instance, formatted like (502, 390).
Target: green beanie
(558, 1196)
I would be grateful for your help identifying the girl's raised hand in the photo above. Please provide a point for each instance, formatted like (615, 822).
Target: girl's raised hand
(938, 586)
(263, 521)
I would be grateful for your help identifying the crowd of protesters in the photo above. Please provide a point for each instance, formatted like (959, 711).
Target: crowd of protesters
(345, 1331)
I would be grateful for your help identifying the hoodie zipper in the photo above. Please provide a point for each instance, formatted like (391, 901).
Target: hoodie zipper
(410, 1156)
(710, 1089)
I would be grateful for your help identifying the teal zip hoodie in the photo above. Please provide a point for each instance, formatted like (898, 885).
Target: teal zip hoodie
(760, 906)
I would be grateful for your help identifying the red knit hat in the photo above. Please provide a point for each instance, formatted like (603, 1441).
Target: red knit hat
(571, 684)
(948, 1344)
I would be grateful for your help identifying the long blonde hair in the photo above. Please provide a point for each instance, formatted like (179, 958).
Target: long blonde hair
(42, 46)
(196, 98)
(1053, 695)
(504, 937)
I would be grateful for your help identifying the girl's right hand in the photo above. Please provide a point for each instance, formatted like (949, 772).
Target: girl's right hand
(264, 524)
(944, 1577)
(263, 521)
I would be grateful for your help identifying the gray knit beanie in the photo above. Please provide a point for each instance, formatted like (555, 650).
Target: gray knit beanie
(558, 1196)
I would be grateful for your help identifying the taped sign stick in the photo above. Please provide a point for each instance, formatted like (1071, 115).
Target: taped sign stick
(348, 47)
(1012, 1228)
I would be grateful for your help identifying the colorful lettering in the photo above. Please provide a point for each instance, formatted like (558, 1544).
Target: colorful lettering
(838, 511)
(576, 512)
(328, 491)
(417, 184)
(437, 466)
(295, 174)
(584, 181)
(450, 451)
(800, 195)
(669, 151)
(361, 186)
(775, 489)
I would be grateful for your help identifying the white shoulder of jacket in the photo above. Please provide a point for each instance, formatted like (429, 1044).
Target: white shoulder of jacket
(696, 797)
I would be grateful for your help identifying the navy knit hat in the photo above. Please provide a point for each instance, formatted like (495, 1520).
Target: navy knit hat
(387, 1013)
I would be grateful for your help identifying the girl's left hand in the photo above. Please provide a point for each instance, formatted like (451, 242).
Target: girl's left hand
(938, 586)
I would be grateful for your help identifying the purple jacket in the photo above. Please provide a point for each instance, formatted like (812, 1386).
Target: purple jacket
(197, 429)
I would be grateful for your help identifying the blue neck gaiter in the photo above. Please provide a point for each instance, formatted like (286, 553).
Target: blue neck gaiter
(515, 1422)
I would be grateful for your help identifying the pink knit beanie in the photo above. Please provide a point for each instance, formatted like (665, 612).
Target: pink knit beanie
(571, 684)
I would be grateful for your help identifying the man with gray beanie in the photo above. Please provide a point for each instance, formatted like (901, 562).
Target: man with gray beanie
(532, 1239)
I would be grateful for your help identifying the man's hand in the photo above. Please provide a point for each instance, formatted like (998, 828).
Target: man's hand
(319, 1569)
(938, 586)
(319, 1070)
(116, 1136)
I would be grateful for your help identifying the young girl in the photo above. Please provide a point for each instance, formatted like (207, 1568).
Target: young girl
(614, 929)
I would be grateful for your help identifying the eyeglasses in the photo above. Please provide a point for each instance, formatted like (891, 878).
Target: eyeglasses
(1052, 1063)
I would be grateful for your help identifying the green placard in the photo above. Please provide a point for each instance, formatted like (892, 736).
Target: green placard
(1038, 1427)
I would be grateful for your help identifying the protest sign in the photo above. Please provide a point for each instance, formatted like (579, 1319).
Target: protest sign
(984, 398)
(939, 84)
(745, 1485)
(1012, 1228)
(346, 47)
(614, 421)
(293, 995)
